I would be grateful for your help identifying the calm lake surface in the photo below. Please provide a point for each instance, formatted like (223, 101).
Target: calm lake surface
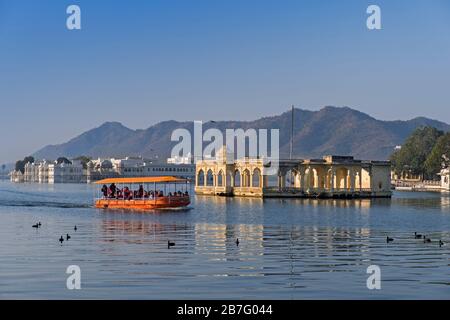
(289, 249)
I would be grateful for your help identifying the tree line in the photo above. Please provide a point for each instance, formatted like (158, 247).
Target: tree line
(426, 151)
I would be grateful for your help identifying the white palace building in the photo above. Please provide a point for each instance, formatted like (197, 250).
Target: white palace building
(74, 172)
(50, 172)
(137, 167)
(329, 177)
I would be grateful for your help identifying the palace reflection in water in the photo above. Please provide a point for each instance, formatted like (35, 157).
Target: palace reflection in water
(217, 242)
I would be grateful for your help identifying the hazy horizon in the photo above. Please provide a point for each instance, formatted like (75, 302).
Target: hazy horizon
(145, 62)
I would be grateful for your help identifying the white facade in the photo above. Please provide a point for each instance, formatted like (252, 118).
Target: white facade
(181, 160)
(445, 180)
(66, 173)
(136, 167)
(16, 176)
(51, 172)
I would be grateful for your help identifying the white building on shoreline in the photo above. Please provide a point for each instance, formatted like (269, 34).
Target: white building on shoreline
(74, 172)
(445, 180)
(136, 167)
(50, 172)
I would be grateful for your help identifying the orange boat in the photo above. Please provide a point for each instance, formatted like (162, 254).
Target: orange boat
(151, 193)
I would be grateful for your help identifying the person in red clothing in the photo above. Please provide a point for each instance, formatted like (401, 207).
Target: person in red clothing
(127, 194)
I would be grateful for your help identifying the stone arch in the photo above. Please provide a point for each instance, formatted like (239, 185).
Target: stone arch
(342, 178)
(246, 178)
(320, 178)
(237, 178)
(309, 177)
(220, 178)
(201, 178)
(329, 179)
(210, 178)
(297, 178)
(358, 180)
(256, 178)
(289, 178)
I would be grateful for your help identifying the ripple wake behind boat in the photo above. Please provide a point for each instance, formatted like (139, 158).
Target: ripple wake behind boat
(45, 204)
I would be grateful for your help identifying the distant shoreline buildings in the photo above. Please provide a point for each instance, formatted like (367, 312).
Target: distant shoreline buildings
(75, 171)
(408, 181)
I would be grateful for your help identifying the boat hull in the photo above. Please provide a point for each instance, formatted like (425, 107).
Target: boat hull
(143, 205)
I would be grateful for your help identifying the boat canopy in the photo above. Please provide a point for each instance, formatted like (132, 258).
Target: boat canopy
(167, 179)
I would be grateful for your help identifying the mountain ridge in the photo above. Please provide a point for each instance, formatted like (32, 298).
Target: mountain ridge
(330, 130)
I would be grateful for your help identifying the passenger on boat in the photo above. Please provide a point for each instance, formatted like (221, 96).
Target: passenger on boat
(186, 194)
(113, 189)
(105, 191)
(127, 194)
(141, 191)
(119, 194)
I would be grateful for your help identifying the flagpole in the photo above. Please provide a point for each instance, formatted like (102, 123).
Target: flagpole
(292, 133)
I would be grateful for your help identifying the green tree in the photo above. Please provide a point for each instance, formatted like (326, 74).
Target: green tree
(84, 160)
(20, 164)
(415, 151)
(63, 160)
(439, 156)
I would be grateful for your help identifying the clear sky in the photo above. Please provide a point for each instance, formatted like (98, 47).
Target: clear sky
(140, 62)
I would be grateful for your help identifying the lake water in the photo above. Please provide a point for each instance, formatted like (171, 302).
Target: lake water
(289, 249)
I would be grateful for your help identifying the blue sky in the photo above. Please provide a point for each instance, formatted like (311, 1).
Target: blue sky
(141, 62)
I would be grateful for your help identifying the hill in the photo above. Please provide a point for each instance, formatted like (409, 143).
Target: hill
(331, 130)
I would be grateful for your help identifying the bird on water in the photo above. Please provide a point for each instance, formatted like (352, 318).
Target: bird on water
(417, 236)
(75, 228)
(37, 225)
(170, 244)
(237, 242)
(389, 239)
(61, 239)
(441, 243)
(67, 237)
(426, 240)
